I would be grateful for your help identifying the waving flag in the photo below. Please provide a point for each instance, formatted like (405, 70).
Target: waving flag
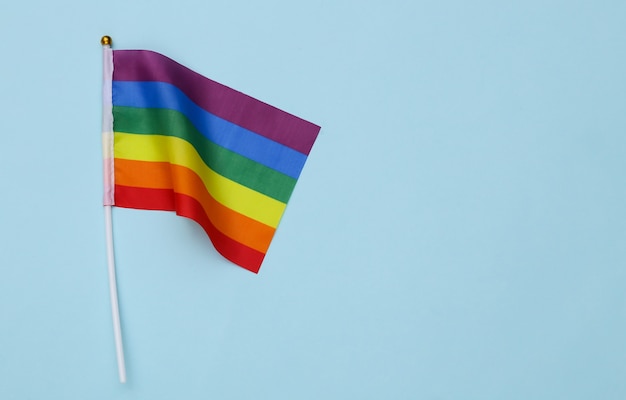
(182, 142)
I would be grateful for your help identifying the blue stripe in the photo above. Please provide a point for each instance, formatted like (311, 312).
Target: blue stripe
(220, 131)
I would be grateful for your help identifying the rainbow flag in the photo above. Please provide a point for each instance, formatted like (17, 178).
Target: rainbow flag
(182, 142)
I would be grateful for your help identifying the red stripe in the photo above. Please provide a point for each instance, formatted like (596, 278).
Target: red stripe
(186, 206)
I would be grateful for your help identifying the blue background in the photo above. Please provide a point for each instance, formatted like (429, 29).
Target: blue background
(458, 232)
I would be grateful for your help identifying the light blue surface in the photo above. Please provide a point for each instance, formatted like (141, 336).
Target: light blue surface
(458, 232)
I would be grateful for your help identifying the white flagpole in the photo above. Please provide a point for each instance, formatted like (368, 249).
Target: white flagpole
(117, 329)
(107, 142)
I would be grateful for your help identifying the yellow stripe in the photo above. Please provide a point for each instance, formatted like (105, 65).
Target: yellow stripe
(177, 151)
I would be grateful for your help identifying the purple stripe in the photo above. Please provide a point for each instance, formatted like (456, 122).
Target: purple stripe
(220, 100)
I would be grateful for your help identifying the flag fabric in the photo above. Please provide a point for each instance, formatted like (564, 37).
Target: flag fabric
(182, 142)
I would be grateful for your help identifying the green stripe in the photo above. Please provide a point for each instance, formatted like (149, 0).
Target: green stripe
(160, 121)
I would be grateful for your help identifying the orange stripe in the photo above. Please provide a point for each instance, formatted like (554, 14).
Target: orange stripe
(162, 175)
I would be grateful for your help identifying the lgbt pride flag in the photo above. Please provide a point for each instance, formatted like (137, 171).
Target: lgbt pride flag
(181, 142)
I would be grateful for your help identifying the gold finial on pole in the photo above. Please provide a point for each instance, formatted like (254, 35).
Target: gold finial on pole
(106, 40)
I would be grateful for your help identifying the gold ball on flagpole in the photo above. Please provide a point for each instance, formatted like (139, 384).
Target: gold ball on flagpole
(106, 40)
